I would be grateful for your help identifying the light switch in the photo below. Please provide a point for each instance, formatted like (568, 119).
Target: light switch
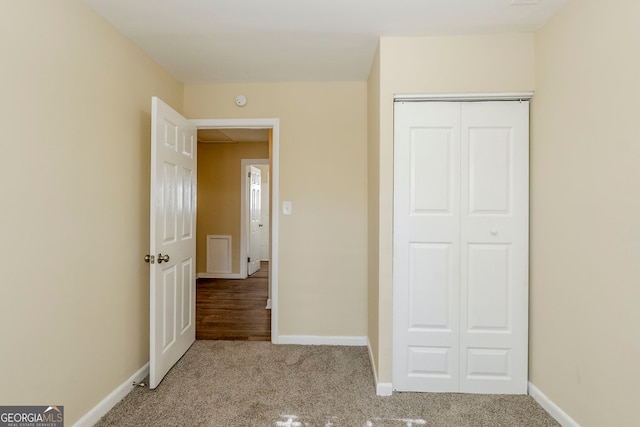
(286, 208)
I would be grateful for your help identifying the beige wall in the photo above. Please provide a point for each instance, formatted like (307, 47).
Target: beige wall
(456, 64)
(74, 185)
(323, 160)
(219, 194)
(373, 182)
(585, 213)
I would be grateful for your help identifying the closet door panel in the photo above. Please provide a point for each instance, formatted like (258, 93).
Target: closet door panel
(426, 247)
(431, 165)
(430, 284)
(490, 165)
(488, 305)
(494, 247)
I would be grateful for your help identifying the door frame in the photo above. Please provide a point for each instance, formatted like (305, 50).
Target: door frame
(274, 125)
(244, 213)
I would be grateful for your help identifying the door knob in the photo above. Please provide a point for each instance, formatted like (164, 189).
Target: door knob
(162, 258)
(149, 258)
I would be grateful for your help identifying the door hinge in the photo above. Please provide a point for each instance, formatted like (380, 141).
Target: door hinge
(150, 259)
(248, 175)
(248, 259)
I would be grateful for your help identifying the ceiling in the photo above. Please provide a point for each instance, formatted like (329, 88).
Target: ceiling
(232, 135)
(224, 41)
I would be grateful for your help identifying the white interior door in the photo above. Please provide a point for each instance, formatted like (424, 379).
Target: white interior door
(461, 247)
(173, 246)
(255, 218)
(264, 208)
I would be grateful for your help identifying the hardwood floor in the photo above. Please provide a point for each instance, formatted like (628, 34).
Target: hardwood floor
(234, 309)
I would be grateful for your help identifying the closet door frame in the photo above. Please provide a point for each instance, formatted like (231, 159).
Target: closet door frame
(448, 364)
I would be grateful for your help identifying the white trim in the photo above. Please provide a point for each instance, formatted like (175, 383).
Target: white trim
(554, 410)
(235, 123)
(452, 97)
(322, 340)
(104, 406)
(244, 217)
(274, 272)
(219, 276)
(273, 124)
(382, 389)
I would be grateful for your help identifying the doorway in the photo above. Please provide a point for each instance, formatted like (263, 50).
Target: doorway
(238, 246)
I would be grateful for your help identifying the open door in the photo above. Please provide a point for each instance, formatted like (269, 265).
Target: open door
(255, 218)
(173, 241)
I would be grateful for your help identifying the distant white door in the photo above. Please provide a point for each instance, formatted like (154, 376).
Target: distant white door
(264, 245)
(461, 247)
(173, 243)
(255, 217)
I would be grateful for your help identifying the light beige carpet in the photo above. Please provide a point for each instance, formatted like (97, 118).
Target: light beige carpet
(236, 383)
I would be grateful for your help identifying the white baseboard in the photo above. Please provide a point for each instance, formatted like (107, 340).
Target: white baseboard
(322, 340)
(554, 410)
(219, 276)
(382, 389)
(104, 406)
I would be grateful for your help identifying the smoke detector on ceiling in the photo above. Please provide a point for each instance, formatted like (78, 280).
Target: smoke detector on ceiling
(241, 100)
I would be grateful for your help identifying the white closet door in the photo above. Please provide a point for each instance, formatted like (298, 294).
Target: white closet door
(426, 246)
(494, 247)
(460, 247)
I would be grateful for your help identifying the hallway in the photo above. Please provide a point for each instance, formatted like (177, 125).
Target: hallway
(233, 309)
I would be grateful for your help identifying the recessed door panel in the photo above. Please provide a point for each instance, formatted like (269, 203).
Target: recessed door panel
(489, 170)
(169, 202)
(488, 287)
(430, 362)
(169, 291)
(488, 363)
(187, 301)
(188, 142)
(431, 169)
(430, 286)
(188, 204)
(170, 135)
